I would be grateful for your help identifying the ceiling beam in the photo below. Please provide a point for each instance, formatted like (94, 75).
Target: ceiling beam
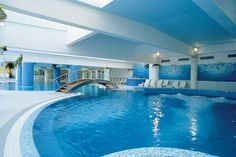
(223, 12)
(68, 13)
(228, 7)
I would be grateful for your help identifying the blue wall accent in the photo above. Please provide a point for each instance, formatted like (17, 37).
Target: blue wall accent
(140, 71)
(56, 72)
(175, 72)
(19, 75)
(27, 75)
(73, 75)
(217, 72)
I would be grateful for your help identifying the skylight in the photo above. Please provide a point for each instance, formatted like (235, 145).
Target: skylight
(96, 3)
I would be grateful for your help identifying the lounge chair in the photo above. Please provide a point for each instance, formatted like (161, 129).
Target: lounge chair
(165, 83)
(159, 83)
(145, 84)
(183, 84)
(125, 81)
(152, 83)
(120, 81)
(112, 79)
(175, 84)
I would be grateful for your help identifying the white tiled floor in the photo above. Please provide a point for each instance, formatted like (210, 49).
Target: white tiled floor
(13, 102)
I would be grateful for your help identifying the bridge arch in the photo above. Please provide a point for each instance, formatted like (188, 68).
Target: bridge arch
(82, 82)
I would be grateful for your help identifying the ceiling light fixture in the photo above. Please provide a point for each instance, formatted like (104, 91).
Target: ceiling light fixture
(158, 54)
(195, 49)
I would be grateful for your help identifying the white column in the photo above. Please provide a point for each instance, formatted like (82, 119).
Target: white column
(194, 73)
(107, 74)
(131, 73)
(154, 71)
(46, 75)
(96, 74)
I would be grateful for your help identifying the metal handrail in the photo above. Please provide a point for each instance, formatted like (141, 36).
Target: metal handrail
(56, 80)
(66, 75)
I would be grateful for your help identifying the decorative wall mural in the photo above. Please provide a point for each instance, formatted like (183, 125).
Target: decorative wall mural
(175, 72)
(140, 71)
(217, 72)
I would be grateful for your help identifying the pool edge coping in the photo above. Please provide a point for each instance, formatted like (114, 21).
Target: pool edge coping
(13, 137)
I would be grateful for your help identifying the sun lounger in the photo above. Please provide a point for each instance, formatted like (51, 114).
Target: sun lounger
(175, 84)
(159, 83)
(152, 83)
(183, 84)
(145, 84)
(125, 81)
(165, 83)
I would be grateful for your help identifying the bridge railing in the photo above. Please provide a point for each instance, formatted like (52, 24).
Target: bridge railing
(72, 76)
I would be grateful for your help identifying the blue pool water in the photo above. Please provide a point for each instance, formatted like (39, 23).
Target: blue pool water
(103, 122)
(38, 86)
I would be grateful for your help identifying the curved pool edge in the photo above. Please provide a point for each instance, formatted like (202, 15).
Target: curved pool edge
(13, 137)
(158, 152)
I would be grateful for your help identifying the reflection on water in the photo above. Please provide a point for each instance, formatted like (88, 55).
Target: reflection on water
(157, 115)
(104, 122)
(193, 127)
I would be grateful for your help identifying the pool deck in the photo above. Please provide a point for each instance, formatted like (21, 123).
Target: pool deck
(14, 103)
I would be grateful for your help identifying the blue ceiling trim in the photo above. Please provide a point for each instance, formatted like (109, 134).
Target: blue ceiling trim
(182, 19)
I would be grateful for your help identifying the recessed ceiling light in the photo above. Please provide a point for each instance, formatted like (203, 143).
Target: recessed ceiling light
(96, 3)
(195, 49)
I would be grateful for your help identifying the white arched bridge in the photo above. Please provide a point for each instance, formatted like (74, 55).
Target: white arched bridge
(82, 82)
(72, 80)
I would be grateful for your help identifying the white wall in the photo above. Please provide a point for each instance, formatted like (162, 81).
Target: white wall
(120, 73)
(28, 37)
(38, 38)
(104, 46)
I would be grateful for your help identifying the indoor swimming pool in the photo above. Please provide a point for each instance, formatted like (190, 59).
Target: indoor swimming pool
(38, 86)
(102, 122)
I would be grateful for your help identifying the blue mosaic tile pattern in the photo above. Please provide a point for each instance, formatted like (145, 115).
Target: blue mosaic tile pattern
(174, 72)
(158, 152)
(217, 72)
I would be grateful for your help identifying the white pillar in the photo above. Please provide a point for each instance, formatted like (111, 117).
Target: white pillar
(96, 74)
(46, 75)
(131, 73)
(90, 74)
(154, 71)
(194, 73)
(107, 74)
